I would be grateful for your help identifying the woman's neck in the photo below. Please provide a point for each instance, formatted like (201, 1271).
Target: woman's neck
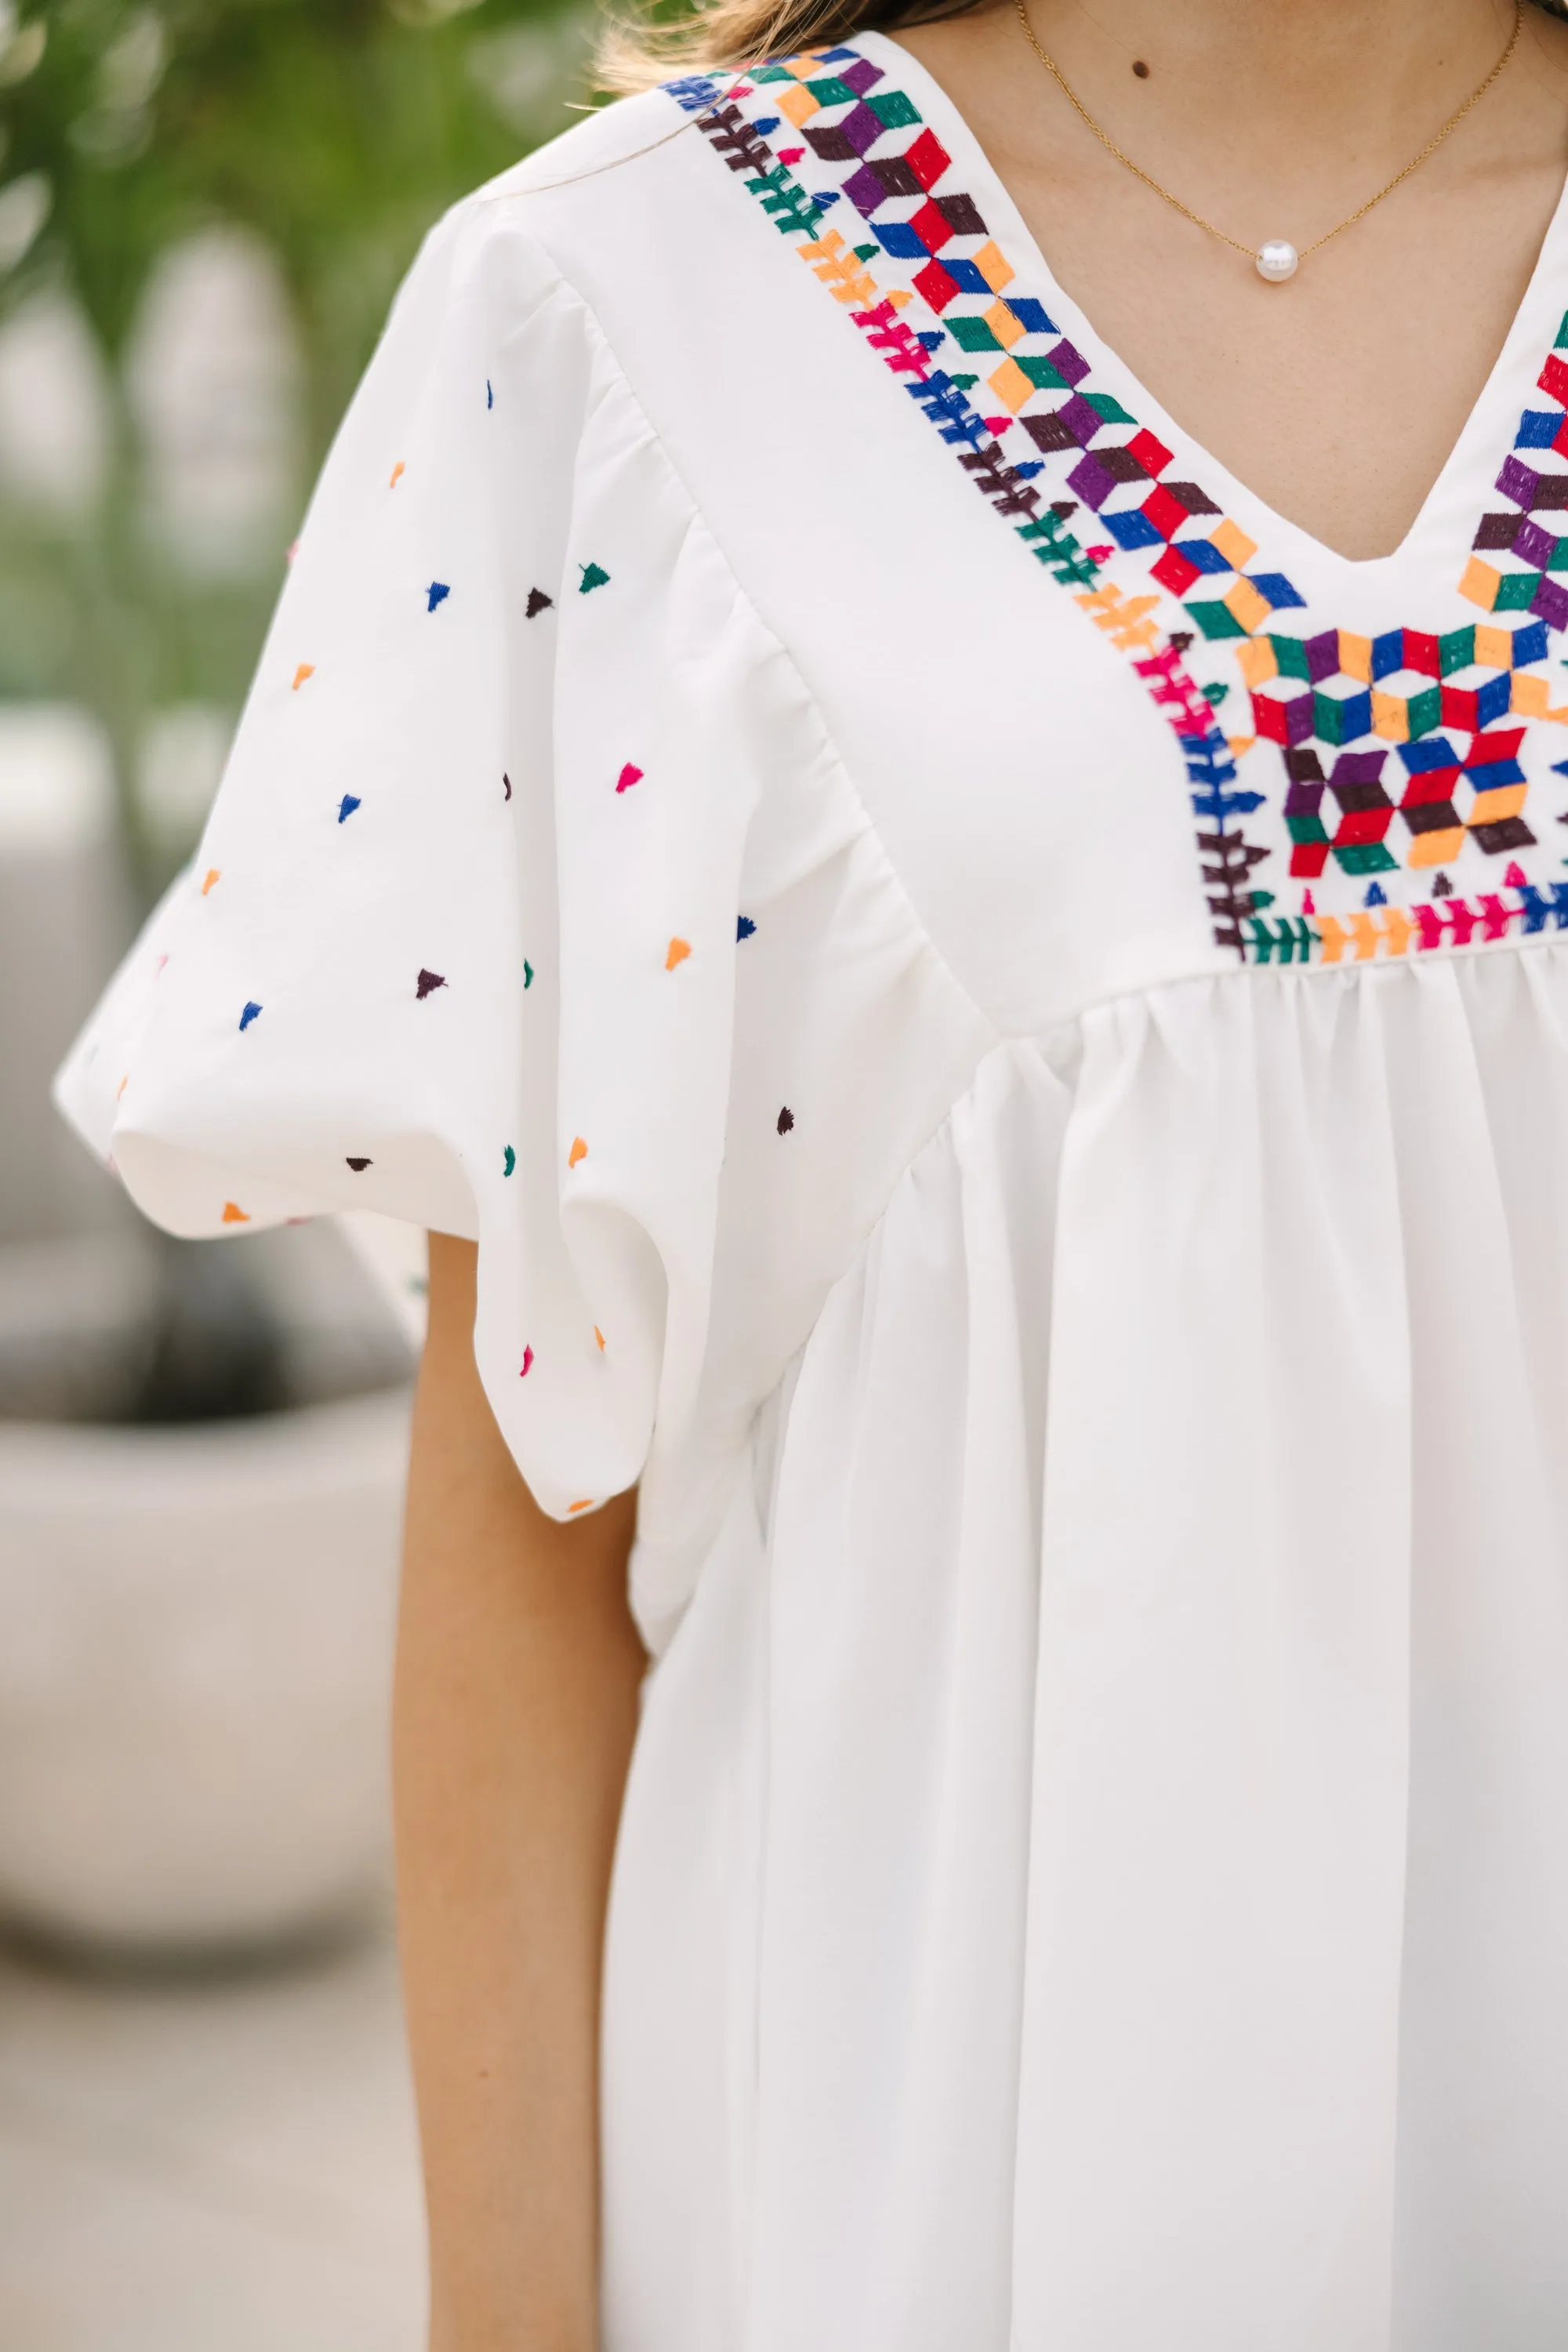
(1339, 396)
(1297, 104)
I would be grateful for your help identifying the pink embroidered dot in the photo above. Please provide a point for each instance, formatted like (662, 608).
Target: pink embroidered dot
(527, 1364)
(627, 778)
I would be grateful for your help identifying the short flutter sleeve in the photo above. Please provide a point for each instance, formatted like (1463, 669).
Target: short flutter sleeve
(458, 945)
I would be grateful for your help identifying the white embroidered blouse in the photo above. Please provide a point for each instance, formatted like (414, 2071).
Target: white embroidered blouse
(999, 1015)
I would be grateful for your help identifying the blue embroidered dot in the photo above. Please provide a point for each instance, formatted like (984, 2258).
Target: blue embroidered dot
(1376, 895)
(437, 592)
(248, 1015)
(490, 395)
(745, 928)
(347, 806)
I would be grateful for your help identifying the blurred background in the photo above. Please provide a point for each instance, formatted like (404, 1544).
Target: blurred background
(207, 2139)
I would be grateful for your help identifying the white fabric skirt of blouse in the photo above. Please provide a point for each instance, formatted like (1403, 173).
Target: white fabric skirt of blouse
(1113, 1800)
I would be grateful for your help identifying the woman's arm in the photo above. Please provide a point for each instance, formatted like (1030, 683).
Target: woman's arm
(518, 1668)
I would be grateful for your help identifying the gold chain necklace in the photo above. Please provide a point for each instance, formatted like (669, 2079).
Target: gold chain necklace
(1276, 259)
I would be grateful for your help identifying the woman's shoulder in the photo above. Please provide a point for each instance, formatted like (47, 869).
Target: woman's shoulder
(624, 143)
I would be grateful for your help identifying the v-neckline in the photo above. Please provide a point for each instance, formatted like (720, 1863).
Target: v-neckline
(1453, 500)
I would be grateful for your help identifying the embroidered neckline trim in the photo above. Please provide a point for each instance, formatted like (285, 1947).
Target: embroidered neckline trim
(1394, 691)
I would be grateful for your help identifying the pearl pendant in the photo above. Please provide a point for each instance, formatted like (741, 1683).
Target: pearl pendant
(1277, 260)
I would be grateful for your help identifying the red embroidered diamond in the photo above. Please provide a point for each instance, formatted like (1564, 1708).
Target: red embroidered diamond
(929, 226)
(1151, 455)
(1167, 514)
(936, 286)
(1361, 825)
(1173, 571)
(928, 159)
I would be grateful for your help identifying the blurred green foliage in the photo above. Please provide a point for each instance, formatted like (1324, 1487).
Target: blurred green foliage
(335, 130)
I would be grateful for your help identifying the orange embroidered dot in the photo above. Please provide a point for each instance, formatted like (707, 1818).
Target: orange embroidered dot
(233, 1215)
(210, 876)
(305, 670)
(120, 1090)
(586, 1505)
(600, 1337)
(397, 473)
(678, 951)
(579, 1152)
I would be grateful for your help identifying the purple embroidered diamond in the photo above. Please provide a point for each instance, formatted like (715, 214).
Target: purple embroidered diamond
(1091, 481)
(1068, 363)
(1536, 545)
(862, 127)
(1299, 716)
(1323, 653)
(1357, 768)
(1080, 420)
(1303, 800)
(861, 75)
(1550, 603)
(864, 191)
(1518, 482)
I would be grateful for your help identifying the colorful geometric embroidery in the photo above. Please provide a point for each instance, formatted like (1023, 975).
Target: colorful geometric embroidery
(1364, 727)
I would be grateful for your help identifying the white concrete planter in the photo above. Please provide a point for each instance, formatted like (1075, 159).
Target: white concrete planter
(196, 1630)
(196, 1648)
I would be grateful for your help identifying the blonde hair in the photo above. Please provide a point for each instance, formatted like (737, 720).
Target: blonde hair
(635, 52)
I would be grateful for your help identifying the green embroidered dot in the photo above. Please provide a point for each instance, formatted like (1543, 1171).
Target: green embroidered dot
(510, 1162)
(593, 577)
